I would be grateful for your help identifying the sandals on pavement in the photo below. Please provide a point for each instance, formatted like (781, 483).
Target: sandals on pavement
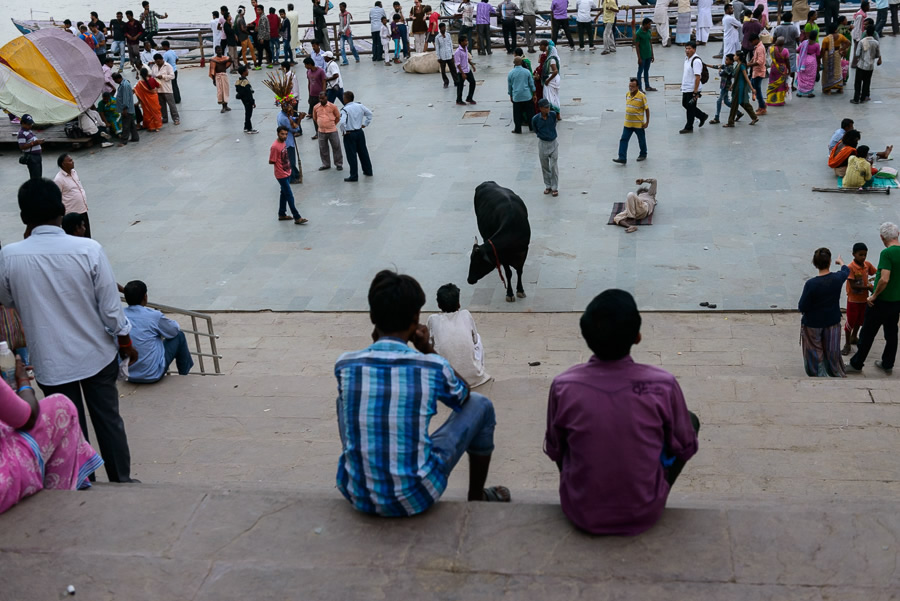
(497, 494)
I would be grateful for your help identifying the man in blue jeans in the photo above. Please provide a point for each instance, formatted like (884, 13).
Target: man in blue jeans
(157, 339)
(637, 119)
(287, 120)
(387, 394)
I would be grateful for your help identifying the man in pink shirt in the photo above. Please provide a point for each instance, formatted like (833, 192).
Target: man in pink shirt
(619, 431)
(757, 65)
(327, 116)
(73, 195)
(278, 156)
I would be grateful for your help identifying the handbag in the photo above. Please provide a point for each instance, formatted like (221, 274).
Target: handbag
(23, 160)
(11, 328)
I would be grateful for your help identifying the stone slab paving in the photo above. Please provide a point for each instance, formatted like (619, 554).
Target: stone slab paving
(191, 210)
(163, 542)
(767, 428)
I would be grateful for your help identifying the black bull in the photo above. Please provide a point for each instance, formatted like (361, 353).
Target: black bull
(503, 224)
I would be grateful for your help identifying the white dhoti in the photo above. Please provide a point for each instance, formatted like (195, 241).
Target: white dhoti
(661, 20)
(635, 208)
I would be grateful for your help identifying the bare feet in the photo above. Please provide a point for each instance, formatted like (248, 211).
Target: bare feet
(885, 154)
(631, 229)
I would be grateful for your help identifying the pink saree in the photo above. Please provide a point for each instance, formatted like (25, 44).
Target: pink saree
(53, 454)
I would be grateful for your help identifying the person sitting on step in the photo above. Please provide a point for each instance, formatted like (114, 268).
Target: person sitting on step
(455, 337)
(157, 339)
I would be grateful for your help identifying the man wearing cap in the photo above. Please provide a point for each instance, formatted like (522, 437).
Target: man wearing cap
(30, 145)
(544, 125)
(334, 83)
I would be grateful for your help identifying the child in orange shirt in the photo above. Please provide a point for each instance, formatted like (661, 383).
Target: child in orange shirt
(858, 288)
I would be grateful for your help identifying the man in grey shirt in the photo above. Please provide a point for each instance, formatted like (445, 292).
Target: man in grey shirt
(443, 48)
(529, 20)
(67, 298)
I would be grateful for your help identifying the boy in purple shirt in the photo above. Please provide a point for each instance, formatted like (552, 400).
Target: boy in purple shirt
(560, 21)
(619, 431)
(483, 14)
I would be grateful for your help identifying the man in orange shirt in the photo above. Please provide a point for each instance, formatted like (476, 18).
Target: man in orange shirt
(327, 116)
(757, 65)
(858, 290)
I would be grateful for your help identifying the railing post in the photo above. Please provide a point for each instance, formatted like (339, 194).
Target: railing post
(197, 341)
(334, 29)
(200, 41)
(212, 344)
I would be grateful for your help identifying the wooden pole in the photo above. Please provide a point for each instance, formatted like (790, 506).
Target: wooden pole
(854, 190)
(202, 55)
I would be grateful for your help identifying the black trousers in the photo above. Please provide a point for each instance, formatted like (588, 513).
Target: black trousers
(35, 167)
(895, 26)
(558, 25)
(522, 113)
(355, 146)
(451, 67)
(262, 47)
(377, 49)
(509, 35)
(248, 114)
(129, 128)
(102, 398)
(830, 11)
(585, 30)
(461, 81)
(861, 84)
(882, 314)
(690, 107)
(674, 470)
(484, 39)
(87, 225)
(175, 89)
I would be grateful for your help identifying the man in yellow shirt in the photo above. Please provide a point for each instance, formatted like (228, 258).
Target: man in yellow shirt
(637, 119)
(859, 169)
(610, 10)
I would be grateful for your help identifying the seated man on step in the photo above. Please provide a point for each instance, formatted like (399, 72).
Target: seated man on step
(158, 339)
(387, 395)
(619, 431)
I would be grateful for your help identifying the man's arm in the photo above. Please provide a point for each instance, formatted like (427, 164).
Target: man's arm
(168, 328)
(882, 284)
(647, 117)
(367, 116)
(109, 306)
(556, 436)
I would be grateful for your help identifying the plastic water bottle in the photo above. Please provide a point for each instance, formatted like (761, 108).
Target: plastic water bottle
(7, 365)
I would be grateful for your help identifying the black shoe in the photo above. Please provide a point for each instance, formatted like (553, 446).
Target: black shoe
(642, 157)
(739, 115)
(881, 366)
(351, 179)
(461, 103)
(703, 120)
(619, 161)
(853, 101)
(517, 131)
(369, 174)
(324, 168)
(687, 130)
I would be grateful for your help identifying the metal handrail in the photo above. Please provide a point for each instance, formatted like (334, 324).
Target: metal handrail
(197, 333)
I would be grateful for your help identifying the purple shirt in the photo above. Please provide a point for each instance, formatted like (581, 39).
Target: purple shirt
(609, 422)
(316, 79)
(560, 9)
(483, 12)
(461, 58)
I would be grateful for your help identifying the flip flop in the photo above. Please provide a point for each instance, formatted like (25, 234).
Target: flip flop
(497, 494)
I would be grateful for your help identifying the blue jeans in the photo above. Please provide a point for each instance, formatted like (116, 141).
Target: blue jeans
(344, 40)
(274, 48)
(469, 430)
(288, 54)
(334, 94)
(644, 67)
(123, 52)
(724, 96)
(756, 82)
(177, 350)
(292, 157)
(626, 136)
(286, 199)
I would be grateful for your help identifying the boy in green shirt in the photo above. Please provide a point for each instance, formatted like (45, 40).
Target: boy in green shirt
(644, 51)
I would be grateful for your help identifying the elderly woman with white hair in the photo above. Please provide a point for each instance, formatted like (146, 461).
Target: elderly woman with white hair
(884, 305)
(638, 205)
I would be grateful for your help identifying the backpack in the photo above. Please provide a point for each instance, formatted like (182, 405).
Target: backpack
(73, 130)
(704, 75)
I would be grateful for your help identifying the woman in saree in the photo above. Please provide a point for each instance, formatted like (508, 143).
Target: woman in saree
(820, 327)
(41, 444)
(833, 47)
(807, 66)
(110, 113)
(764, 19)
(146, 91)
(548, 73)
(842, 151)
(778, 74)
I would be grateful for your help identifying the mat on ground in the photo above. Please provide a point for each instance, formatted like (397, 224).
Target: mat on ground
(875, 182)
(618, 207)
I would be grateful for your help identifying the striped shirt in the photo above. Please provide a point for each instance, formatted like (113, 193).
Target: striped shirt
(634, 109)
(25, 136)
(387, 395)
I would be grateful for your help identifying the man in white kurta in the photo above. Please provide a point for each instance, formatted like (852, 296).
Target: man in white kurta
(704, 20)
(661, 20)
(732, 27)
(455, 338)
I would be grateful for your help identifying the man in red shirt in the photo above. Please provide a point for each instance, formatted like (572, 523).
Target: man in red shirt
(278, 156)
(757, 65)
(619, 431)
(315, 78)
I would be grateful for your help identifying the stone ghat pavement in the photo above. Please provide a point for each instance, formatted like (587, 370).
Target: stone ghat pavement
(766, 428)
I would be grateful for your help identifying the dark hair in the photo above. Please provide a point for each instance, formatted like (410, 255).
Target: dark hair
(754, 36)
(846, 124)
(851, 138)
(822, 258)
(832, 28)
(271, 10)
(842, 19)
(215, 14)
(864, 5)
(787, 16)
(758, 11)
(646, 21)
(145, 73)
(40, 201)
(290, 7)
(281, 128)
(71, 222)
(463, 38)
(870, 30)
(145, 4)
(448, 298)
(308, 61)
(243, 69)
(349, 94)
(443, 24)
(157, 57)
(635, 80)
(730, 55)
(286, 65)
(60, 159)
(128, 13)
(812, 36)
(94, 14)
(611, 324)
(397, 17)
(394, 301)
(811, 15)
(117, 77)
(165, 44)
(862, 151)
(342, 5)
(692, 44)
(134, 292)
(860, 246)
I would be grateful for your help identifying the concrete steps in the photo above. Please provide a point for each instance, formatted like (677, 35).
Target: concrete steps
(160, 542)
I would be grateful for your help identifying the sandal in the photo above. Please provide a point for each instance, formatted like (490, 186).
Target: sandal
(547, 191)
(728, 125)
(754, 122)
(555, 193)
(497, 494)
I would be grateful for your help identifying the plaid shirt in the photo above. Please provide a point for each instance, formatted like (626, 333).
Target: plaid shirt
(151, 25)
(387, 395)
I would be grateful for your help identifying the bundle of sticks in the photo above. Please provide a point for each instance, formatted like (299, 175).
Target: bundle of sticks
(282, 85)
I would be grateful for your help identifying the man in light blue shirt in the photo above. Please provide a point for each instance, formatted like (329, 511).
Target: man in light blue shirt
(285, 118)
(520, 84)
(170, 57)
(881, 18)
(375, 15)
(158, 339)
(355, 117)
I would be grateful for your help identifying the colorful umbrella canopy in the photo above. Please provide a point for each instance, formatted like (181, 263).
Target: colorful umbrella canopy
(50, 74)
